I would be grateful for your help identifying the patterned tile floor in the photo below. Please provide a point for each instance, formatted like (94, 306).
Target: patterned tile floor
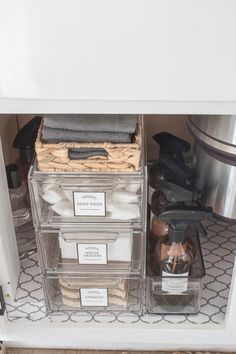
(219, 250)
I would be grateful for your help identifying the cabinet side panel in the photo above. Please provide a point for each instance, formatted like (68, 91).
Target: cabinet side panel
(9, 259)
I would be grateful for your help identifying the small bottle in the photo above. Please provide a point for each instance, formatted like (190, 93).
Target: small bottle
(18, 193)
(170, 194)
(175, 255)
(159, 228)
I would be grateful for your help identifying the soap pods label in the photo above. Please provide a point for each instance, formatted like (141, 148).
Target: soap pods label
(174, 283)
(91, 253)
(93, 297)
(89, 203)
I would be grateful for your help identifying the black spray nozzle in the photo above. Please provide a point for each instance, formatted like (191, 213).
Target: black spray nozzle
(25, 138)
(172, 160)
(171, 144)
(176, 194)
(181, 217)
(185, 215)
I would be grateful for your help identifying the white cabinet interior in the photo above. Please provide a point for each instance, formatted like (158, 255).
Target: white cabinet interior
(214, 323)
(146, 51)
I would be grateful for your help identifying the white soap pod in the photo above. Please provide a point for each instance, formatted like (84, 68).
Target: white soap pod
(122, 196)
(120, 250)
(53, 195)
(133, 187)
(125, 212)
(129, 187)
(64, 208)
(111, 206)
(68, 194)
(47, 184)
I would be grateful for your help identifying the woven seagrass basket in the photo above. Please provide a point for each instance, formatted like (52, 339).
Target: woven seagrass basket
(120, 157)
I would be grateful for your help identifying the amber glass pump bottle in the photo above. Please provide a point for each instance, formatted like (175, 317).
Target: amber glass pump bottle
(175, 253)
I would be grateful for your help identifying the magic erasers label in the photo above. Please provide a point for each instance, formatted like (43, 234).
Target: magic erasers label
(93, 297)
(89, 203)
(92, 253)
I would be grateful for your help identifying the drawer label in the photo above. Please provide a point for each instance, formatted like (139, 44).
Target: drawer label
(89, 203)
(91, 253)
(94, 297)
(175, 283)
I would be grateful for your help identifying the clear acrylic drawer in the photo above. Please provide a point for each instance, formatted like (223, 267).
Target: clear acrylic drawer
(90, 293)
(176, 293)
(66, 198)
(159, 301)
(92, 249)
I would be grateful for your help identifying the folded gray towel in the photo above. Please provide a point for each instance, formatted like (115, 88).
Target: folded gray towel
(92, 122)
(84, 153)
(51, 135)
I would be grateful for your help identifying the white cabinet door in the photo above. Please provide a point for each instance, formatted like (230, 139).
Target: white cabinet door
(136, 50)
(9, 259)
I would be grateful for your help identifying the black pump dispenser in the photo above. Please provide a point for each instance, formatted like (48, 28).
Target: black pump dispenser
(181, 217)
(171, 166)
(175, 253)
(25, 138)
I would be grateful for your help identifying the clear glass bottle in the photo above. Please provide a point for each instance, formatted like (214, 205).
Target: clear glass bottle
(174, 257)
(18, 193)
(174, 254)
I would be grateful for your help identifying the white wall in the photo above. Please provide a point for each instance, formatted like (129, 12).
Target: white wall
(8, 130)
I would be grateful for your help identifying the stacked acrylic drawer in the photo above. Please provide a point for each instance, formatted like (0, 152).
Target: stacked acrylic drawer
(91, 238)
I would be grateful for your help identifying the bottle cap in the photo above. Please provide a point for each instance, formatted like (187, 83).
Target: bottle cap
(13, 176)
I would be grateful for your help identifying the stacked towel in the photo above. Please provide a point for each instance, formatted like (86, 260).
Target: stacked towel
(92, 122)
(51, 135)
(84, 153)
(89, 128)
